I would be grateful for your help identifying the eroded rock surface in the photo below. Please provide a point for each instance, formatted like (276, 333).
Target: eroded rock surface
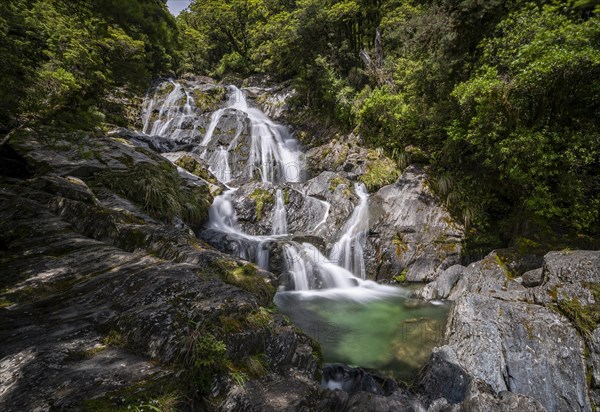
(410, 232)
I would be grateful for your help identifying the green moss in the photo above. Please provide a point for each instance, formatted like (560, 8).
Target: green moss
(115, 338)
(584, 318)
(245, 276)
(400, 245)
(380, 172)
(341, 156)
(159, 190)
(335, 182)
(261, 198)
(191, 165)
(401, 278)
(209, 100)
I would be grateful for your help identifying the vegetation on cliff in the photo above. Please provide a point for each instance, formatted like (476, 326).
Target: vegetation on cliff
(499, 97)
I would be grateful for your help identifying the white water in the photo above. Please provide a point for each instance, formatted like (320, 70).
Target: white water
(275, 157)
(171, 114)
(279, 223)
(348, 251)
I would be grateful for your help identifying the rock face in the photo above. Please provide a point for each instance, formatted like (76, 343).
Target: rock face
(101, 290)
(522, 348)
(535, 336)
(410, 233)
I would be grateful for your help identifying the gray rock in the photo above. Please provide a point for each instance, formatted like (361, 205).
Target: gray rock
(442, 286)
(411, 230)
(490, 277)
(569, 275)
(533, 278)
(523, 348)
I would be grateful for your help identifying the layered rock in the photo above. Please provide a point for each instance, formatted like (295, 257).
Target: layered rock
(534, 335)
(119, 296)
(411, 234)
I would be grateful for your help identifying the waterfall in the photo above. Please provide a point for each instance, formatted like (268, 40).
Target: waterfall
(279, 224)
(219, 165)
(348, 251)
(274, 156)
(274, 153)
(172, 115)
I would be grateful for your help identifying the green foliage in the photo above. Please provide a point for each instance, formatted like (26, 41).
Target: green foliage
(529, 115)
(63, 59)
(157, 188)
(381, 171)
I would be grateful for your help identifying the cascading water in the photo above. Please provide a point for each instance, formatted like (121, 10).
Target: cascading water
(333, 290)
(279, 223)
(348, 251)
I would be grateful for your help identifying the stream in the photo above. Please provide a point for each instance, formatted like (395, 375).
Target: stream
(328, 295)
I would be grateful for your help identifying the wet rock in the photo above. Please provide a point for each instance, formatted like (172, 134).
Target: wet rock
(533, 278)
(410, 232)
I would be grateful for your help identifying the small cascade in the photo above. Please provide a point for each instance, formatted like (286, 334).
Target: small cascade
(172, 114)
(219, 165)
(274, 153)
(279, 224)
(348, 251)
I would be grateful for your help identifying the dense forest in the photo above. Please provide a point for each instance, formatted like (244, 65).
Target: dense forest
(500, 99)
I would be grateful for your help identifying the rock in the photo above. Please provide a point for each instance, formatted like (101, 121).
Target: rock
(491, 277)
(158, 144)
(410, 231)
(533, 278)
(569, 276)
(442, 286)
(443, 378)
(95, 291)
(352, 380)
(523, 348)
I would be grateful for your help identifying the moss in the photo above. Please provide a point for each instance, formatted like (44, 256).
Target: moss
(380, 172)
(191, 165)
(401, 278)
(4, 303)
(502, 264)
(209, 101)
(261, 198)
(159, 190)
(115, 338)
(335, 182)
(583, 318)
(245, 276)
(341, 156)
(400, 245)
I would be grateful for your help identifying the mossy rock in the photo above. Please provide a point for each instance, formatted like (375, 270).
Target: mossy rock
(160, 191)
(381, 171)
(261, 198)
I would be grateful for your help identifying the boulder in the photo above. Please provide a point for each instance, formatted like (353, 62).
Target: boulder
(442, 286)
(522, 348)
